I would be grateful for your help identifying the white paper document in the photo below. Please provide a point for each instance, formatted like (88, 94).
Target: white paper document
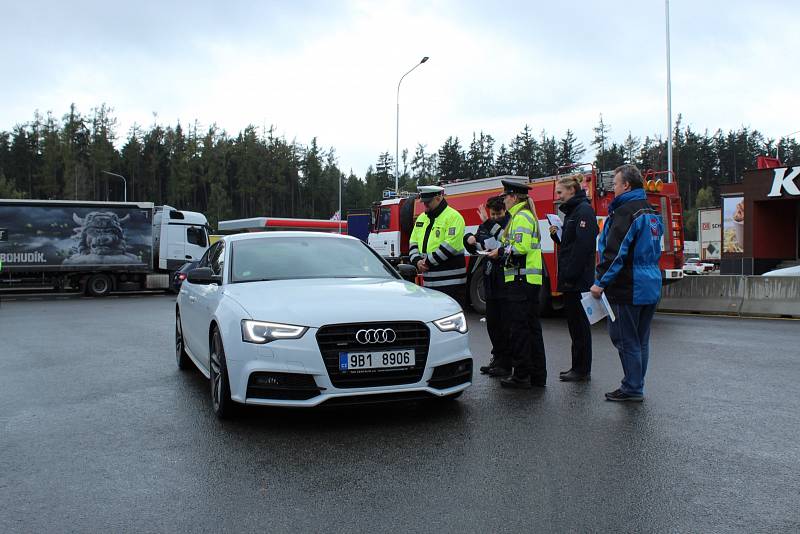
(554, 220)
(491, 243)
(597, 309)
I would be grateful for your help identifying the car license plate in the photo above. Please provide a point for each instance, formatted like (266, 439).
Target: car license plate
(386, 359)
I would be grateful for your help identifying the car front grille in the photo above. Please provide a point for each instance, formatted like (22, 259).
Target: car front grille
(333, 339)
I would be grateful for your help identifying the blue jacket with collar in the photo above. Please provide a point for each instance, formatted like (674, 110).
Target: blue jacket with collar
(630, 248)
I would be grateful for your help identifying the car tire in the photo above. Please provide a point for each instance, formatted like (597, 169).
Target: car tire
(181, 357)
(221, 402)
(98, 285)
(477, 291)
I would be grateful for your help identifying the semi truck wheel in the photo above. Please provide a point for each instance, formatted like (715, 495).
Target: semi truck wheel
(98, 285)
(477, 293)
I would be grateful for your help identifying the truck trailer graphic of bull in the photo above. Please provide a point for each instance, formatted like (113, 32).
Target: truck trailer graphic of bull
(101, 240)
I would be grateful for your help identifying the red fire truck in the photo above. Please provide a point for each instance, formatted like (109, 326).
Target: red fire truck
(393, 220)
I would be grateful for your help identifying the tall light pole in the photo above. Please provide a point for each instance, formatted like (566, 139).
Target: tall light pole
(397, 133)
(778, 144)
(124, 182)
(669, 97)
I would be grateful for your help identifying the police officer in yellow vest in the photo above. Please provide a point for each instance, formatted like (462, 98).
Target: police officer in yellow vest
(436, 246)
(522, 254)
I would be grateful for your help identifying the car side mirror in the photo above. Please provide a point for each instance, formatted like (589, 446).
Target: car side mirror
(202, 276)
(407, 272)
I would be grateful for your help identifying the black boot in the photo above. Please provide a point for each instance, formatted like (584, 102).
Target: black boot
(572, 376)
(485, 368)
(517, 382)
(499, 372)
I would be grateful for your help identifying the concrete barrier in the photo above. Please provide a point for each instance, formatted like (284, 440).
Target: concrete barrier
(746, 296)
(704, 294)
(772, 296)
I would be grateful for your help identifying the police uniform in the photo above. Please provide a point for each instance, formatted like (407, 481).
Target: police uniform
(438, 239)
(522, 255)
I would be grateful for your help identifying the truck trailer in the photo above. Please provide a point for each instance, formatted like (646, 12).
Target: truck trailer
(97, 247)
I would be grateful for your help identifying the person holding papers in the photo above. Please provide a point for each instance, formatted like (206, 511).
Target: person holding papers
(521, 254)
(576, 262)
(629, 275)
(488, 238)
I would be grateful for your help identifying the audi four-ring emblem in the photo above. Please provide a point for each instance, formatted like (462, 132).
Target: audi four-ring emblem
(376, 335)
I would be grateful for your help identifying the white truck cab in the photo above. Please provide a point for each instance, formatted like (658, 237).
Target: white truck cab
(181, 236)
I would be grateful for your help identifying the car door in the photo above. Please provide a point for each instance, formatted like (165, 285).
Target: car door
(208, 296)
(191, 318)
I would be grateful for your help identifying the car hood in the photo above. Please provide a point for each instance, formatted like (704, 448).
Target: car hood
(319, 302)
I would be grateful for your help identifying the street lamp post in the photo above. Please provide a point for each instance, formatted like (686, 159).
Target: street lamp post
(669, 96)
(397, 132)
(778, 144)
(124, 183)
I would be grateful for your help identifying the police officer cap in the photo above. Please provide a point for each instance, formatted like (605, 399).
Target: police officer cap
(427, 192)
(516, 188)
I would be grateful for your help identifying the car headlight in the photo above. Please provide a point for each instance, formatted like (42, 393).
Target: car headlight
(262, 332)
(455, 322)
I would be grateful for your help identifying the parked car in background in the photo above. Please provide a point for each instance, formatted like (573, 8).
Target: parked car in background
(695, 266)
(786, 271)
(181, 274)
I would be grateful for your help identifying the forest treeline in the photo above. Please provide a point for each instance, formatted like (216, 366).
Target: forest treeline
(256, 172)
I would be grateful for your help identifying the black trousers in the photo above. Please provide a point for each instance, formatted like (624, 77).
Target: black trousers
(580, 331)
(498, 327)
(527, 345)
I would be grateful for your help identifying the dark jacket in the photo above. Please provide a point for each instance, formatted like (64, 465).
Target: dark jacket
(630, 248)
(493, 281)
(578, 245)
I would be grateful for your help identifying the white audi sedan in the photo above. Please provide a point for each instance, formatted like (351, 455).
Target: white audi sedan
(302, 319)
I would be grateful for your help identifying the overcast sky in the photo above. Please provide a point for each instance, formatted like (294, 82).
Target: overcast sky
(330, 68)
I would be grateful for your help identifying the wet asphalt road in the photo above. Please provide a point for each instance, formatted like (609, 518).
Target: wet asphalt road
(100, 432)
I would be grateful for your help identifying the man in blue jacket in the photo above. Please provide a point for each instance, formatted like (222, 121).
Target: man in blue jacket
(628, 273)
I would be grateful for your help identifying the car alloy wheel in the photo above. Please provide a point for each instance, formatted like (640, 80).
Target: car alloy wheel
(220, 387)
(181, 357)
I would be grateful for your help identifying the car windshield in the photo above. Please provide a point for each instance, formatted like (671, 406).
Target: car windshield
(288, 258)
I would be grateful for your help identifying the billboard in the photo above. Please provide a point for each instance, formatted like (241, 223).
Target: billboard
(733, 225)
(710, 234)
(66, 237)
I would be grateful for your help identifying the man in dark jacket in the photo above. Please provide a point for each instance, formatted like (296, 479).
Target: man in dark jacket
(576, 263)
(486, 238)
(629, 274)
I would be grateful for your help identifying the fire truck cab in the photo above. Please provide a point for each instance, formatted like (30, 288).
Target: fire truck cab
(392, 221)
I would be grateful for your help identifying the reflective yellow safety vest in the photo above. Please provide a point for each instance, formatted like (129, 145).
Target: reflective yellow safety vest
(438, 238)
(524, 246)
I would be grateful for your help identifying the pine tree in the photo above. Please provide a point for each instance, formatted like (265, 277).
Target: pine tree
(525, 154)
(599, 143)
(570, 150)
(549, 148)
(452, 161)
(480, 158)
(631, 148)
(503, 164)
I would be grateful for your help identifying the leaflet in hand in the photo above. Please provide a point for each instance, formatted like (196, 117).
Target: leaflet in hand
(491, 243)
(555, 220)
(597, 309)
